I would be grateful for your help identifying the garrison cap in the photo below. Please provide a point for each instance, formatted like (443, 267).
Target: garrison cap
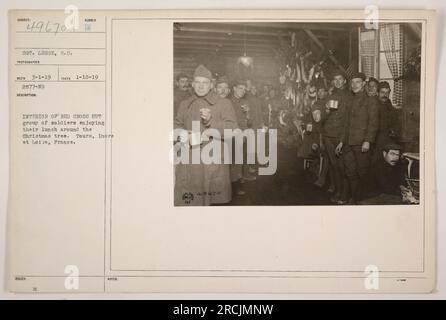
(359, 75)
(383, 84)
(392, 146)
(222, 79)
(202, 71)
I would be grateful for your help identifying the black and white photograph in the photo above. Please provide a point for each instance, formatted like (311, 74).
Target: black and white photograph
(236, 152)
(296, 113)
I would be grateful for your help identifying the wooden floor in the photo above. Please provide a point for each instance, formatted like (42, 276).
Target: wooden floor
(289, 186)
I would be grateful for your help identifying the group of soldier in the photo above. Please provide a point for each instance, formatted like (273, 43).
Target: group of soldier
(350, 123)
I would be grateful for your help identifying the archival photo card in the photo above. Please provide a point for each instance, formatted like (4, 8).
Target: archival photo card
(238, 151)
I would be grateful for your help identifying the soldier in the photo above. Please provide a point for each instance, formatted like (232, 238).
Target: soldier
(315, 119)
(372, 87)
(222, 87)
(240, 104)
(388, 179)
(265, 92)
(389, 127)
(272, 107)
(240, 172)
(359, 135)
(255, 109)
(334, 118)
(181, 91)
(204, 184)
(255, 106)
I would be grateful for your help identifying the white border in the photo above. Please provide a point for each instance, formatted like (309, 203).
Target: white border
(166, 4)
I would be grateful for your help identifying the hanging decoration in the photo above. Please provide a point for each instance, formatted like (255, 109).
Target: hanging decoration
(245, 60)
(412, 66)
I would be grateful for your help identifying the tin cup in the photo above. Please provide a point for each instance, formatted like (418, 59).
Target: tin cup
(195, 138)
(309, 127)
(204, 110)
(333, 104)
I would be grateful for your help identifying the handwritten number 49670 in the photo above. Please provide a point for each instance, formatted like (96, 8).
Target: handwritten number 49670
(46, 26)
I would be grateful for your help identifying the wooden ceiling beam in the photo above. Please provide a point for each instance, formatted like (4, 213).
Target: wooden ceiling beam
(217, 45)
(199, 38)
(225, 30)
(322, 47)
(301, 26)
(227, 53)
(261, 28)
(198, 35)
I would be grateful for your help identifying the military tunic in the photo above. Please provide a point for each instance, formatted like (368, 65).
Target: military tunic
(204, 184)
(362, 126)
(389, 128)
(178, 97)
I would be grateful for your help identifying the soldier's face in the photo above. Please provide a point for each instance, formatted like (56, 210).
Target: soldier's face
(321, 93)
(312, 92)
(339, 81)
(372, 88)
(357, 84)
(248, 85)
(201, 86)
(317, 115)
(239, 91)
(253, 90)
(182, 84)
(383, 94)
(222, 89)
(392, 157)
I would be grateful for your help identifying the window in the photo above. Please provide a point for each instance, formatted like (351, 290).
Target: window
(368, 52)
(381, 56)
(391, 59)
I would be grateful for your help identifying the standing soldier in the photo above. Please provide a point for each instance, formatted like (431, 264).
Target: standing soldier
(255, 109)
(359, 135)
(334, 119)
(240, 172)
(389, 127)
(372, 87)
(222, 86)
(181, 91)
(273, 105)
(203, 184)
(240, 103)
(314, 128)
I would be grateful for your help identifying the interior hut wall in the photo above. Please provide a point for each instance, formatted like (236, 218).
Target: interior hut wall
(266, 69)
(184, 64)
(339, 44)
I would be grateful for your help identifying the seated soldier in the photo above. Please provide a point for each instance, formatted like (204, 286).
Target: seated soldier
(387, 179)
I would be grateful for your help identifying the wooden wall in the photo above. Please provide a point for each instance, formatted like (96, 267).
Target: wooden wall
(265, 69)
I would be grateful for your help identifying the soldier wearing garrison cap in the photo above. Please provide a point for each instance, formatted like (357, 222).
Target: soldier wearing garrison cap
(222, 86)
(372, 86)
(359, 136)
(181, 91)
(243, 113)
(334, 119)
(389, 123)
(387, 178)
(204, 184)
